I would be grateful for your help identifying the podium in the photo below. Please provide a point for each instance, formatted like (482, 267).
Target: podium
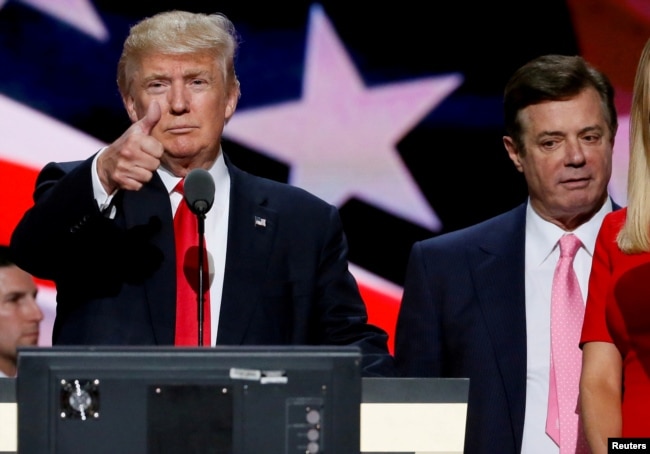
(237, 400)
(413, 415)
(8, 415)
(176, 400)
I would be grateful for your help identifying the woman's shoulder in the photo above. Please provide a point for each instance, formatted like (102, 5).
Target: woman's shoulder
(613, 223)
(616, 217)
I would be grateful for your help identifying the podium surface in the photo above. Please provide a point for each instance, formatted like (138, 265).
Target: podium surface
(8, 415)
(413, 415)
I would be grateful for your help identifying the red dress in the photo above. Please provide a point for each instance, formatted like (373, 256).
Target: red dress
(618, 311)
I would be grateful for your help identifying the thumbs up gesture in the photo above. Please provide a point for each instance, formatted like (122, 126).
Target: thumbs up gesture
(131, 160)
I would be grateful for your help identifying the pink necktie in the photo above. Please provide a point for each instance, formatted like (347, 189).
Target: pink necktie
(567, 312)
(187, 279)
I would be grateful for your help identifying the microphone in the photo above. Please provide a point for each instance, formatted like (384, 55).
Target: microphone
(199, 191)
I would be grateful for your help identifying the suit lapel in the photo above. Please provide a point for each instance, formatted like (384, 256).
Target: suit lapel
(140, 206)
(499, 273)
(251, 231)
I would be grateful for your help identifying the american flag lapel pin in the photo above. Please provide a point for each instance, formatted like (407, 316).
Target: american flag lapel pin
(260, 222)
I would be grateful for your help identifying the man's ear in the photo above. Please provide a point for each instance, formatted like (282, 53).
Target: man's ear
(129, 104)
(231, 103)
(513, 152)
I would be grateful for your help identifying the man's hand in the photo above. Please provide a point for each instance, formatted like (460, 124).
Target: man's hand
(131, 160)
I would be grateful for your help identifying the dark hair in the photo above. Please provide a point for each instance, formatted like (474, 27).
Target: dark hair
(5, 256)
(554, 78)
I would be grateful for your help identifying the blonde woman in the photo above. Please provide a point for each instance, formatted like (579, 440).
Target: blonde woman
(615, 381)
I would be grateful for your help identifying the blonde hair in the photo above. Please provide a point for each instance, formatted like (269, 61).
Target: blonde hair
(635, 234)
(180, 32)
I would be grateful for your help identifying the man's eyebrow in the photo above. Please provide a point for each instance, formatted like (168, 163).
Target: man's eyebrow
(590, 128)
(12, 296)
(594, 128)
(550, 133)
(186, 74)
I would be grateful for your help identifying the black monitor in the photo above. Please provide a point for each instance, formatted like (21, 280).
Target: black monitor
(150, 400)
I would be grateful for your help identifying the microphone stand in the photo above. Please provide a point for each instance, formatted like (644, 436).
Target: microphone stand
(199, 195)
(201, 259)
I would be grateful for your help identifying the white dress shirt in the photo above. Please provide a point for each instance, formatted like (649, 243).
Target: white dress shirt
(542, 254)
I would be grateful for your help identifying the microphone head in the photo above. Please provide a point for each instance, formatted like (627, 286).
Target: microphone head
(199, 191)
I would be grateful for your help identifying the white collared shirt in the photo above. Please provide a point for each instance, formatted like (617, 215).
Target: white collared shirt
(542, 253)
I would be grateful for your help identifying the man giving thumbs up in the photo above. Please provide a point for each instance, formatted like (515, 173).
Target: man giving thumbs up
(103, 229)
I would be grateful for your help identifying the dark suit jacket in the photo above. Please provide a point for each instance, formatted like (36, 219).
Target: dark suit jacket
(285, 283)
(463, 314)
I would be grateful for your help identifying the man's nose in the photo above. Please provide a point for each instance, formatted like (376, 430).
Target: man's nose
(178, 99)
(575, 154)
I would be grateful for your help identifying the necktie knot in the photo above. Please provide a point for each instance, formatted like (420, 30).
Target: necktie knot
(179, 186)
(569, 245)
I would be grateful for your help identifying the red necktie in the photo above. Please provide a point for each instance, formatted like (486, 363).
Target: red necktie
(567, 312)
(187, 278)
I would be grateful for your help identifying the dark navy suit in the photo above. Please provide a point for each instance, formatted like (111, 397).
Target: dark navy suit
(286, 279)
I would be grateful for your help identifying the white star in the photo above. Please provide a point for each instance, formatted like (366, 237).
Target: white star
(78, 13)
(340, 138)
(19, 144)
